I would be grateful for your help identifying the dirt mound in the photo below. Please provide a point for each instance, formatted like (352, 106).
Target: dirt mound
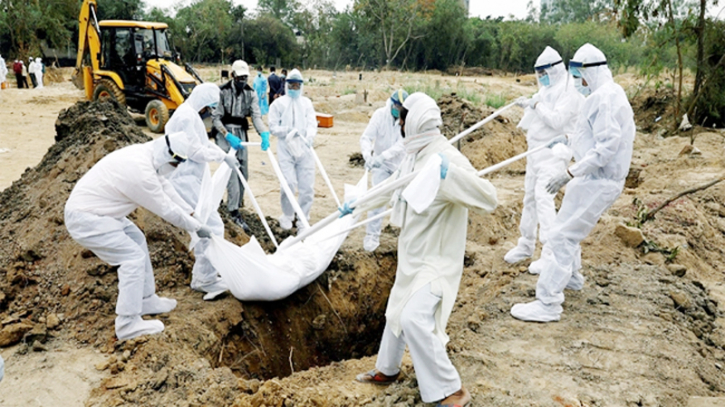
(53, 75)
(654, 110)
(496, 141)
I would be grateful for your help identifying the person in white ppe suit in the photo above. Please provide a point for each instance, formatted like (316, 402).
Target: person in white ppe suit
(602, 145)
(31, 71)
(39, 72)
(189, 119)
(96, 217)
(382, 148)
(430, 254)
(293, 121)
(3, 70)
(550, 113)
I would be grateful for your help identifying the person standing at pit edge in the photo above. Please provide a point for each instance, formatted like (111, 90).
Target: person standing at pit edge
(237, 102)
(602, 144)
(431, 247)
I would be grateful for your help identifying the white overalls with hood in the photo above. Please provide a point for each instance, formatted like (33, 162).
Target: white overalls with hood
(431, 247)
(96, 217)
(602, 146)
(552, 112)
(187, 178)
(291, 112)
(381, 138)
(39, 72)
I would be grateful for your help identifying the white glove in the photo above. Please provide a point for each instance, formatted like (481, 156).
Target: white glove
(231, 161)
(533, 101)
(558, 181)
(562, 139)
(522, 102)
(308, 141)
(204, 232)
(366, 156)
(377, 161)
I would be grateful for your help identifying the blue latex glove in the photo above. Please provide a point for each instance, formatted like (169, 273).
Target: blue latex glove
(234, 141)
(444, 165)
(265, 140)
(346, 209)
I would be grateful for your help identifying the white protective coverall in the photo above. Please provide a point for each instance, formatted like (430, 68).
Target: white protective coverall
(431, 247)
(555, 113)
(187, 178)
(295, 158)
(602, 145)
(96, 217)
(39, 72)
(3, 70)
(381, 137)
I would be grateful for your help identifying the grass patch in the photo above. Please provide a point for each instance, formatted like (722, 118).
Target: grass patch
(495, 100)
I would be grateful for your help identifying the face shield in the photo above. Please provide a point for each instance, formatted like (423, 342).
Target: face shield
(542, 73)
(294, 88)
(577, 71)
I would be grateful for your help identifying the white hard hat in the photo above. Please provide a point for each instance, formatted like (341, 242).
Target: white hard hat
(240, 68)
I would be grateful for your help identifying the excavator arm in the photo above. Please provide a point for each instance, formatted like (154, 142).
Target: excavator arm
(89, 43)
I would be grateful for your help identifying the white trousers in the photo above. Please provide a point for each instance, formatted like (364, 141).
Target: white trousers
(437, 377)
(373, 228)
(118, 242)
(539, 209)
(186, 180)
(584, 203)
(299, 172)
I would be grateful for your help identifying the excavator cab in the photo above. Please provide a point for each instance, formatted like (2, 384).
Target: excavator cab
(133, 63)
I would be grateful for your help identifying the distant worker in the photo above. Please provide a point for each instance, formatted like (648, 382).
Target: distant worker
(431, 247)
(39, 68)
(382, 147)
(260, 86)
(24, 70)
(238, 101)
(602, 144)
(96, 217)
(283, 84)
(293, 121)
(3, 71)
(18, 71)
(275, 83)
(551, 112)
(189, 118)
(31, 71)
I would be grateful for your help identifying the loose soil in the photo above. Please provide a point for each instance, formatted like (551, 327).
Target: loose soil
(647, 330)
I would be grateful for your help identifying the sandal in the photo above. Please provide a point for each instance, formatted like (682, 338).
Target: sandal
(375, 377)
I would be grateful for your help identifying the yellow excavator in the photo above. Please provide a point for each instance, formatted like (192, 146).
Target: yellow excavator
(132, 62)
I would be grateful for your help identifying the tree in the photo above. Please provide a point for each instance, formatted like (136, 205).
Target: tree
(24, 24)
(120, 9)
(204, 27)
(394, 20)
(575, 11)
(283, 10)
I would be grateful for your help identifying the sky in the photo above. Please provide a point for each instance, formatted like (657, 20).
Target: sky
(478, 8)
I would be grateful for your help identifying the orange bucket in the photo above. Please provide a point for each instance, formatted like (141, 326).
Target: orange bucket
(3, 85)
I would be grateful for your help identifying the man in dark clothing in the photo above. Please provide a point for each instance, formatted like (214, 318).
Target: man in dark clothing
(18, 70)
(274, 84)
(237, 102)
(283, 80)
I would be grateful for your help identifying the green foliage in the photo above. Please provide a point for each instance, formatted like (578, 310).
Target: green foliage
(120, 9)
(24, 24)
(575, 11)
(495, 100)
(206, 23)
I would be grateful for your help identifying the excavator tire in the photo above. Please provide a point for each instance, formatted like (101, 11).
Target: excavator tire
(157, 115)
(106, 88)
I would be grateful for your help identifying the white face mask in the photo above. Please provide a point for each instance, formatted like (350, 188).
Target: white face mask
(165, 169)
(584, 90)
